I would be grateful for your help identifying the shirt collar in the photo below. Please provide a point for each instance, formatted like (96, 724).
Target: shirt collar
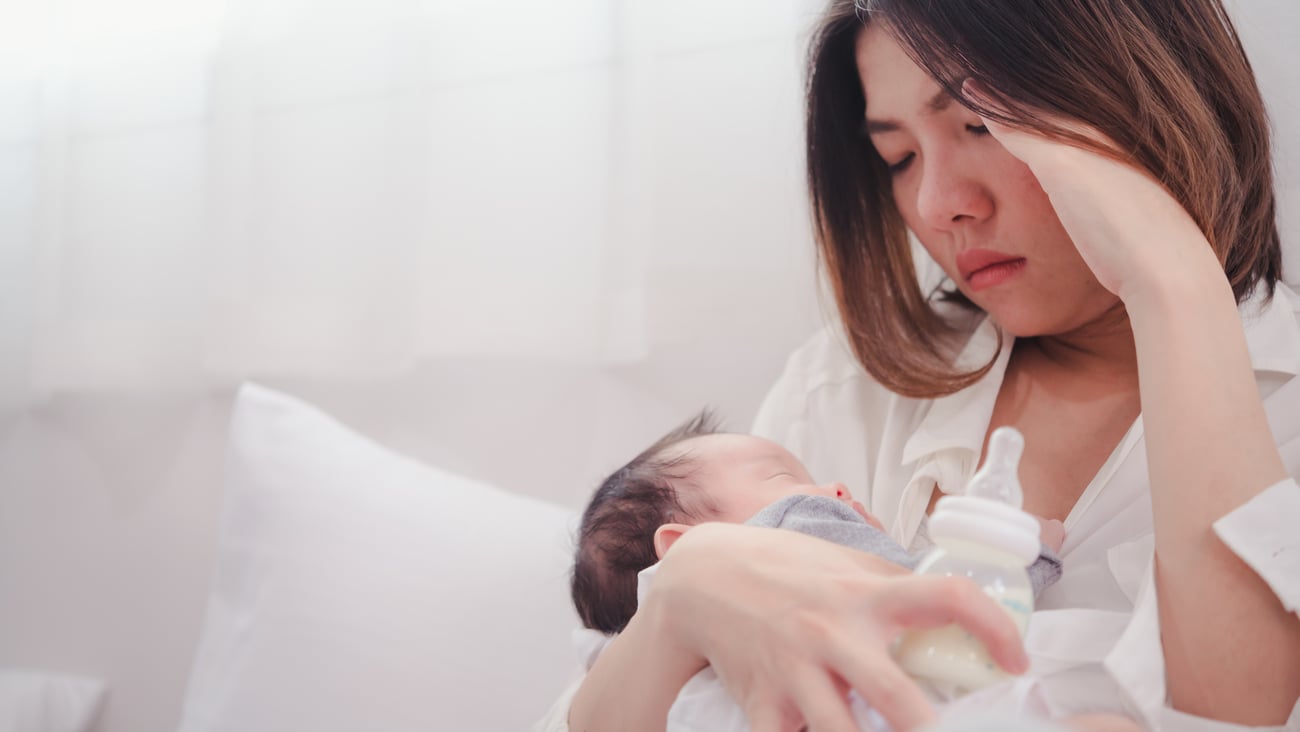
(959, 420)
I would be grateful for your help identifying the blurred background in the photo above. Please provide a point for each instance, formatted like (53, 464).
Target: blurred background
(514, 240)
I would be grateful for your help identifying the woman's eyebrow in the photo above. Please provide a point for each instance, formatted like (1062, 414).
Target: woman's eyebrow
(935, 104)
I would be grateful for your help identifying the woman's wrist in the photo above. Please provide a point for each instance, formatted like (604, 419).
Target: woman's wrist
(634, 682)
(1199, 398)
(665, 611)
(1176, 288)
(658, 621)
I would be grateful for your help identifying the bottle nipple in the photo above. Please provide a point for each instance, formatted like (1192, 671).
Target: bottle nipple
(999, 478)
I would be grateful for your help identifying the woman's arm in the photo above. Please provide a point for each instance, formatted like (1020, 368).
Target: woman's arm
(789, 623)
(633, 683)
(784, 619)
(1231, 649)
(1232, 652)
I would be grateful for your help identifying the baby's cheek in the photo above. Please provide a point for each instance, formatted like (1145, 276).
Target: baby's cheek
(862, 511)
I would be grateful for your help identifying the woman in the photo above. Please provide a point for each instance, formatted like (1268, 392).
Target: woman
(1094, 176)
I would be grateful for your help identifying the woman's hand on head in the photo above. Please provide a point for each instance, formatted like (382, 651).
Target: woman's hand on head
(1129, 229)
(790, 623)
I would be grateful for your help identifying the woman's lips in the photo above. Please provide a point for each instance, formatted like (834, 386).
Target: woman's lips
(985, 268)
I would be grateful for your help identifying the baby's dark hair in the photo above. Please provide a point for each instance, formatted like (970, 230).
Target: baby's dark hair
(616, 539)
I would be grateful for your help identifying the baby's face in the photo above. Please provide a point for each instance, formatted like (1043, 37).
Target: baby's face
(742, 474)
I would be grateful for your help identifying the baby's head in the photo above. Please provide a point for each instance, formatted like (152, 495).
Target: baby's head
(691, 475)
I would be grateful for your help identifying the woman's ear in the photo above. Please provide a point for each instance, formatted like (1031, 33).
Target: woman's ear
(666, 536)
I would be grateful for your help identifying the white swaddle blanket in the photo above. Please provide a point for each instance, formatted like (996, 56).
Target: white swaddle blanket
(1070, 674)
(704, 705)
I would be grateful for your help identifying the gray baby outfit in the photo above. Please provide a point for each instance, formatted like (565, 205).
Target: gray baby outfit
(834, 520)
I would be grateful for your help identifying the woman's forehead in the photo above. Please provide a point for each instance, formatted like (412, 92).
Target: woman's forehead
(893, 84)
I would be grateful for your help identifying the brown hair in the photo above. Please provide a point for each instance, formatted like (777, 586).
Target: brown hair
(616, 537)
(1167, 80)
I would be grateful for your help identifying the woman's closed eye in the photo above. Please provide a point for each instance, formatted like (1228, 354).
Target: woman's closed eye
(902, 164)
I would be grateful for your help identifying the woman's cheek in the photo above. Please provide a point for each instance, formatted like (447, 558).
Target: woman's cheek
(905, 202)
(944, 258)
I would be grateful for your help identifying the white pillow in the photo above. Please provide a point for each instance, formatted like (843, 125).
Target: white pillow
(32, 701)
(356, 589)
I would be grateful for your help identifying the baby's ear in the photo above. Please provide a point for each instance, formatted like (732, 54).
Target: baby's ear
(666, 536)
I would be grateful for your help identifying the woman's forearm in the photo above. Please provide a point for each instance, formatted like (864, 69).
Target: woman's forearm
(634, 682)
(1232, 652)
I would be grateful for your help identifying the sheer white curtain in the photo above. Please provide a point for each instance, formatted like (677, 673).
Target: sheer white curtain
(194, 191)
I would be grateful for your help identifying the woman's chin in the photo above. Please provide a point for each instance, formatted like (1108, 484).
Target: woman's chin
(1022, 322)
(1037, 317)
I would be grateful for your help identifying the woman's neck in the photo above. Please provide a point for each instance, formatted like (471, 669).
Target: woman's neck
(1101, 349)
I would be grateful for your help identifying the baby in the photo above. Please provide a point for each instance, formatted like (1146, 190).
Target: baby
(695, 474)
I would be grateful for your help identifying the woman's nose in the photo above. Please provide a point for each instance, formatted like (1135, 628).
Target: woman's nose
(949, 197)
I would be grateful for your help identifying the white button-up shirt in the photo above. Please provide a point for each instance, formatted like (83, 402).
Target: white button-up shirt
(1094, 640)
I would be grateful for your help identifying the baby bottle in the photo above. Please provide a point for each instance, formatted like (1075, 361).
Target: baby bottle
(986, 537)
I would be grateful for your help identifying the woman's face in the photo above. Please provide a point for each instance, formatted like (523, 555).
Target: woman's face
(975, 208)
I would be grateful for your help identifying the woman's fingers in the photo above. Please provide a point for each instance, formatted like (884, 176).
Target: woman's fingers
(818, 702)
(823, 703)
(764, 715)
(885, 688)
(787, 620)
(1043, 155)
(1126, 225)
(975, 92)
(926, 602)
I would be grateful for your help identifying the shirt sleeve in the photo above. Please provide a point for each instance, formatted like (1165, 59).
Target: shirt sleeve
(1259, 533)
(557, 719)
(1263, 534)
